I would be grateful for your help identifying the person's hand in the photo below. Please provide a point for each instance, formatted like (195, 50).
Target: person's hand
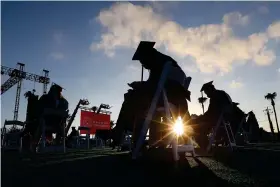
(134, 84)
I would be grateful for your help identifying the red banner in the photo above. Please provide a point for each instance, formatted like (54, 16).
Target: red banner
(94, 121)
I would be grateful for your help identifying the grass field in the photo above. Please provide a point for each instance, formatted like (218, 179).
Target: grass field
(105, 167)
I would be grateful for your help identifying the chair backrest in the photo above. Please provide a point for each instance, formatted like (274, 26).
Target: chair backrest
(14, 122)
(176, 74)
(55, 112)
(83, 128)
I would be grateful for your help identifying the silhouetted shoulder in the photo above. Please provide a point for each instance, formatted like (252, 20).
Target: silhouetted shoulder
(43, 97)
(165, 58)
(222, 95)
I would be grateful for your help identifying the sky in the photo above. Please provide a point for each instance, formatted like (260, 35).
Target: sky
(88, 47)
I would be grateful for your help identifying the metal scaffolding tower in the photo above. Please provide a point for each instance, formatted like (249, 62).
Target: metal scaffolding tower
(16, 77)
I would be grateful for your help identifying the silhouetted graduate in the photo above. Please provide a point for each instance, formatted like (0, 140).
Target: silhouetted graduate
(52, 100)
(70, 138)
(73, 133)
(252, 126)
(219, 100)
(138, 100)
(237, 117)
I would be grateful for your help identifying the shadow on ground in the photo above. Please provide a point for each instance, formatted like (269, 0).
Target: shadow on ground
(110, 170)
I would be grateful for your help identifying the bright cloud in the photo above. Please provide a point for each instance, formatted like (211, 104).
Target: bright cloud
(274, 30)
(236, 18)
(214, 47)
(236, 84)
(57, 55)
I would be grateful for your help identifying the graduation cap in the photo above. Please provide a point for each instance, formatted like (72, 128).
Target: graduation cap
(206, 85)
(143, 48)
(236, 104)
(56, 86)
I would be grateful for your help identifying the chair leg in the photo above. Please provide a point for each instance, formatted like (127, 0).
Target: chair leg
(20, 144)
(43, 135)
(212, 138)
(174, 139)
(64, 146)
(228, 135)
(233, 138)
(151, 111)
(88, 135)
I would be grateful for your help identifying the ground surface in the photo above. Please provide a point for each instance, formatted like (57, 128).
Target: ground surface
(246, 167)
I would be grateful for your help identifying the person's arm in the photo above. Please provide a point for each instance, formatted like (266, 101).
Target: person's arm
(207, 115)
(209, 111)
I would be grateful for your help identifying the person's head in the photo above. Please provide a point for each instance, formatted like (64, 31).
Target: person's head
(208, 89)
(55, 90)
(145, 53)
(73, 128)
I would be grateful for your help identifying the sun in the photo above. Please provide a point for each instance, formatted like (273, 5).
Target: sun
(178, 127)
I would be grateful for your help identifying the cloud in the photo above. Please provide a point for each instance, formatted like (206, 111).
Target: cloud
(274, 30)
(236, 84)
(57, 55)
(263, 10)
(190, 68)
(214, 47)
(279, 70)
(236, 18)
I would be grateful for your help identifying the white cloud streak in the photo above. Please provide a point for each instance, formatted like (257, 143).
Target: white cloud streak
(236, 84)
(236, 18)
(214, 47)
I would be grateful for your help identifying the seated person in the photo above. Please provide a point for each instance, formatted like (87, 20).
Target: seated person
(52, 100)
(32, 118)
(251, 126)
(219, 100)
(237, 116)
(142, 93)
(74, 133)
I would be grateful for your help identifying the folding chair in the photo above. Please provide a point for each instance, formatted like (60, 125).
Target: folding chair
(126, 142)
(52, 112)
(87, 129)
(15, 137)
(169, 73)
(99, 142)
(241, 129)
(222, 123)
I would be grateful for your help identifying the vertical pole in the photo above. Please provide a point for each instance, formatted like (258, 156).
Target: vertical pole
(276, 121)
(45, 83)
(202, 103)
(270, 123)
(64, 145)
(142, 73)
(20, 76)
